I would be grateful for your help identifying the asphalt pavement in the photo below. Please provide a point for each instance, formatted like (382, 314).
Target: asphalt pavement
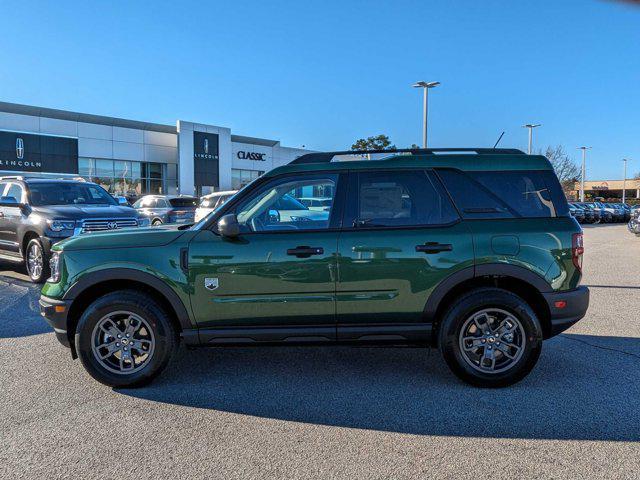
(336, 412)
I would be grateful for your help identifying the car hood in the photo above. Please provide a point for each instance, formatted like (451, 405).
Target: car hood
(79, 212)
(125, 238)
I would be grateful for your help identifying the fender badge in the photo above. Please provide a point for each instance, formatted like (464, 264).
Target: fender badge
(210, 283)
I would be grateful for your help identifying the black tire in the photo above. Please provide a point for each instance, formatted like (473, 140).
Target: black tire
(37, 274)
(156, 222)
(476, 301)
(165, 337)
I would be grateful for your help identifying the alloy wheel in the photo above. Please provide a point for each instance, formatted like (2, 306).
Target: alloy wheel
(35, 261)
(492, 340)
(123, 342)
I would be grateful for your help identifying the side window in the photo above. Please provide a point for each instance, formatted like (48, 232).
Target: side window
(505, 194)
(274, 207)
(14, 191)
(397, 199)
(473, 200)
(3, 186)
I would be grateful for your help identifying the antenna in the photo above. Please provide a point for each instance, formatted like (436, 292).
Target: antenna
(499, 138)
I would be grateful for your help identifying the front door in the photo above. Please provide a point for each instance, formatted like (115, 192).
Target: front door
(279, 273)
(10, 218)
(401, 237)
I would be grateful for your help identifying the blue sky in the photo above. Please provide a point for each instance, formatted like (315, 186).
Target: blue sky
(323, 74)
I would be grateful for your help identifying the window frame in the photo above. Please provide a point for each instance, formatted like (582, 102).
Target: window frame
(335, 218)
(353, 189)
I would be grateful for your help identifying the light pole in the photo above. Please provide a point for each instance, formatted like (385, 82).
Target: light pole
(624, 181)
(531, 126)
(425, 86)
(584, 163)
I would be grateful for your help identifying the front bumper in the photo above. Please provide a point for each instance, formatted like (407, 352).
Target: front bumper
(566, 308)
(55, 312)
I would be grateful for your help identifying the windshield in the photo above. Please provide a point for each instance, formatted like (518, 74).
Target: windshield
(58, 193)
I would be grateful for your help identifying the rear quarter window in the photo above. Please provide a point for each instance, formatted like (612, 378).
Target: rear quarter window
(511, 194)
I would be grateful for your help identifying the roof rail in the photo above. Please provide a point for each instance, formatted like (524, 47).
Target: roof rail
(326, 157)
(12, 177)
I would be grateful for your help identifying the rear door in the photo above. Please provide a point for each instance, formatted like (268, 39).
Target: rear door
(401, 237)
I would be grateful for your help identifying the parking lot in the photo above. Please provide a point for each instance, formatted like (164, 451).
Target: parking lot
(333, 412)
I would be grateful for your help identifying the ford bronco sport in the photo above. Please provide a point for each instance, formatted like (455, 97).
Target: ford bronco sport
(473, 252)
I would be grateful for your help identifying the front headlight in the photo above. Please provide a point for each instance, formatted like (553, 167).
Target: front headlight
(143, 221)
(59, 225)
(54, 266)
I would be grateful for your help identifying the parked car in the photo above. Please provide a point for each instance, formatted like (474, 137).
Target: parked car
(616, 215)
(322, 204)
(605, 216)
(593, 213)
(209, 203)
(35, 213)
(577, 212)
(161, 209)
(634, 220)
(475, 254)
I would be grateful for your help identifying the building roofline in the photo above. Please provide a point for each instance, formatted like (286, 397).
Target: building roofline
(84, 117)
(254, 140)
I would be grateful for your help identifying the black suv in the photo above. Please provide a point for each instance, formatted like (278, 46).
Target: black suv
(35, 213)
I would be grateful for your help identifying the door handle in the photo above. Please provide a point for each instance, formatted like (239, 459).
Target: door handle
(434, 247)
(304, 251)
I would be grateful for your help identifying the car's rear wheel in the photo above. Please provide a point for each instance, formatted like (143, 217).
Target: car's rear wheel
(490, 338)
(125, 339)
(156, 222)
(36, 261)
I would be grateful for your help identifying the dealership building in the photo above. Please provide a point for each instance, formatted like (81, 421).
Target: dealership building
(130, 157)
(608, 189)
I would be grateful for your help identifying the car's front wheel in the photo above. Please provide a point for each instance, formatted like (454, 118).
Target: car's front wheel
(36, 261)
(490, 338)
(125, 339)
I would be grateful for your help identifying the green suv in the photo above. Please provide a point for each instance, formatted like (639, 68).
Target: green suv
(472, 251)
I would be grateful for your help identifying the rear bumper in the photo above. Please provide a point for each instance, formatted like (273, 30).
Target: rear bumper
(576, 303)
(55, 312)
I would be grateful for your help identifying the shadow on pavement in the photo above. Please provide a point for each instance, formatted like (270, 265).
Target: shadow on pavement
(19, 309)
(412, 391)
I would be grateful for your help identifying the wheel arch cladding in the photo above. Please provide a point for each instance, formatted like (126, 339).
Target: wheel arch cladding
(518, 280)
(96, 284)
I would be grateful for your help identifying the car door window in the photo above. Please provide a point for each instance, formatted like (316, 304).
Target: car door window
(14, 191)
(274, 207)
(397, 199)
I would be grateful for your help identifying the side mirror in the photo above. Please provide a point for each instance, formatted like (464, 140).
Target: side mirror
(122, 201)
(274, 216)
(228, 226)
(9, 202)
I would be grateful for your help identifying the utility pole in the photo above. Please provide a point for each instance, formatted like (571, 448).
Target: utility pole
(531, 126)
(624, 181)
(584, 164)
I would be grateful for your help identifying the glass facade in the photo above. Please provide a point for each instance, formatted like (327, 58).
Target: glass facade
(240, 178)
(126, 178)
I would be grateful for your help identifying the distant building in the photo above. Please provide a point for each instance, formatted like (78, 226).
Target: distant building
(608, 189)
(132, 157)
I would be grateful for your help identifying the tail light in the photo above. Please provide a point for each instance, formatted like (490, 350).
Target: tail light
(577, 250)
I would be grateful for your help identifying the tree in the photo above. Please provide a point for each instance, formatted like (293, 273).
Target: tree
(566, 169)
(379, 142)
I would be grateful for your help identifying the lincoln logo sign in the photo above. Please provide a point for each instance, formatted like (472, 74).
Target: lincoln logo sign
(251, 156)
(29, 152)
(19, 148)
